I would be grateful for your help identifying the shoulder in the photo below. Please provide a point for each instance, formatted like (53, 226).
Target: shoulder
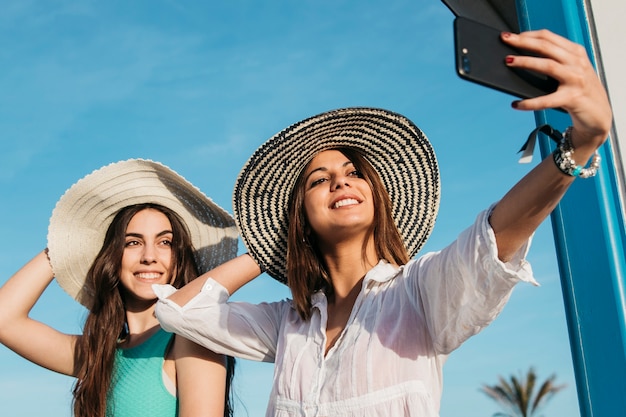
(183, 348)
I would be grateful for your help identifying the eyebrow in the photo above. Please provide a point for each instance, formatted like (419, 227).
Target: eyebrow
(164, 232)
(323, 168)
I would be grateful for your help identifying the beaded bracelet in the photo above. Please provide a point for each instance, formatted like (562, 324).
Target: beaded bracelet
(562, 156)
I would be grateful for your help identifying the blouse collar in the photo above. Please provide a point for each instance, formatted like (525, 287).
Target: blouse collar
(381, 272)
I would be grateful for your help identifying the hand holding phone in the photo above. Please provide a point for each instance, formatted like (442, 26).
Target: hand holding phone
(480, 55)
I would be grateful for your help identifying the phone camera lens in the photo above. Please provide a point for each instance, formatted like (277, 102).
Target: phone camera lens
(465, 64)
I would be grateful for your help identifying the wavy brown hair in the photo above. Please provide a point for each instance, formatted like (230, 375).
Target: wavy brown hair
(105, 323)
(306, 271)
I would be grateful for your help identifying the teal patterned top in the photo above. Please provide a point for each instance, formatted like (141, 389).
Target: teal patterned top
(137, 387)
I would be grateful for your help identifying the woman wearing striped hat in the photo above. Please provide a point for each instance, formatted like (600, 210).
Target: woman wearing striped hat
(336, 206)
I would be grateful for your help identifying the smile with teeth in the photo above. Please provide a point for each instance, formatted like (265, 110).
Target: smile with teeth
(148, 275)
(345, 202)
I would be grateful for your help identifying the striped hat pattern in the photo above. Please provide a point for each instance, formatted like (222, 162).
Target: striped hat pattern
(396, 148)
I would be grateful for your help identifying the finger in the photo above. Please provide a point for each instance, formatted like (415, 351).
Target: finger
(547, 36)
(544, 66)
(538, 103)
(575, 72)
(545, 44)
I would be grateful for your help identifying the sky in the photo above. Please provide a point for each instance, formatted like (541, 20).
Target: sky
(199, 86)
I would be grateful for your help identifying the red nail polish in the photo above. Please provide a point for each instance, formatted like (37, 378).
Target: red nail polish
(509, 59)
(515, 104)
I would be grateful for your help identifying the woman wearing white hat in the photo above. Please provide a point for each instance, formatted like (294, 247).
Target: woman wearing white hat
(335, 206)
(112, 235)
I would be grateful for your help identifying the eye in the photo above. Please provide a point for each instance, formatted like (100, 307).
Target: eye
(166, 242)
(132, 242)
(355, 173)
(317, 181)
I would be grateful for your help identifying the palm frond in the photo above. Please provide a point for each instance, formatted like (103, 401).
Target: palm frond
(518, 394)
(546, 391)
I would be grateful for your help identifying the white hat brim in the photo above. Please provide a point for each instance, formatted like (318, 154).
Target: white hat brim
(82, 215)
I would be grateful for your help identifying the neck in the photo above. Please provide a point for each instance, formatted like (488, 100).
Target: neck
(347, 266)
(140, 319)
(141, 325)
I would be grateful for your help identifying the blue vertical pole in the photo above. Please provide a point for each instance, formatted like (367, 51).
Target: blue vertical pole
(589, 235)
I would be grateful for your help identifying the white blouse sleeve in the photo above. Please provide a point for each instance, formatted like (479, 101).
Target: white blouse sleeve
(463, 287)
(244, 330)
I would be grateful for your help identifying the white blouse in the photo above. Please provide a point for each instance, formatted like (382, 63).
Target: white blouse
(388, 360)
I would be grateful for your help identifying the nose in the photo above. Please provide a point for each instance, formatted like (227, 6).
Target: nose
(147, 256)
(340, 181)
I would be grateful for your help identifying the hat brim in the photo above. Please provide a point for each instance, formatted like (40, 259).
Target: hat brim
(83, 214)
(397, 149)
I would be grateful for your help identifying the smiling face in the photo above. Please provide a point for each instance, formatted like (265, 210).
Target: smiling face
(337, 199)
(147, 255)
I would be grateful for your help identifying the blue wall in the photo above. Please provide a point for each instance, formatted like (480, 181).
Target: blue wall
(589, 236)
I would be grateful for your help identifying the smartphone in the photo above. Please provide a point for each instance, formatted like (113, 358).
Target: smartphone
(480, 54)
(500, 15)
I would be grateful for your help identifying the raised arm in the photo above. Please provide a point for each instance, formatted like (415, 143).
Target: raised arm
(582, 95)
(35, 341)
(232, 275)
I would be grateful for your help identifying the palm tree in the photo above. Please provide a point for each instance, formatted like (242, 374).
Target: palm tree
(519, 397)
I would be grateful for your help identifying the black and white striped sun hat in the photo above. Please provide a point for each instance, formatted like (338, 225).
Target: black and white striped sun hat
(83, 214)
(396, 148)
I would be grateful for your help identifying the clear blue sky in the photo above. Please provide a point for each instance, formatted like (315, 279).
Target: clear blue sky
(199, 86)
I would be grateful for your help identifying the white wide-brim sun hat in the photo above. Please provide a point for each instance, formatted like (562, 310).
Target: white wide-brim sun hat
(83, 214)
(397, 149)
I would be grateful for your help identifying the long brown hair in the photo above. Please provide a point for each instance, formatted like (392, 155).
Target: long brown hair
(105, 323)
(306, 271)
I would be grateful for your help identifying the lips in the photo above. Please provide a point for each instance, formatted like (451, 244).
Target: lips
(148, 275)
(345, 202)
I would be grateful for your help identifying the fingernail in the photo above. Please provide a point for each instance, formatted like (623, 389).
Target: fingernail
(515, 104)
(509, 59)
(506, 35)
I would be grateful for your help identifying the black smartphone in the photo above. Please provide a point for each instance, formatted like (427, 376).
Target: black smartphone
(500, 15)
(480, 55)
